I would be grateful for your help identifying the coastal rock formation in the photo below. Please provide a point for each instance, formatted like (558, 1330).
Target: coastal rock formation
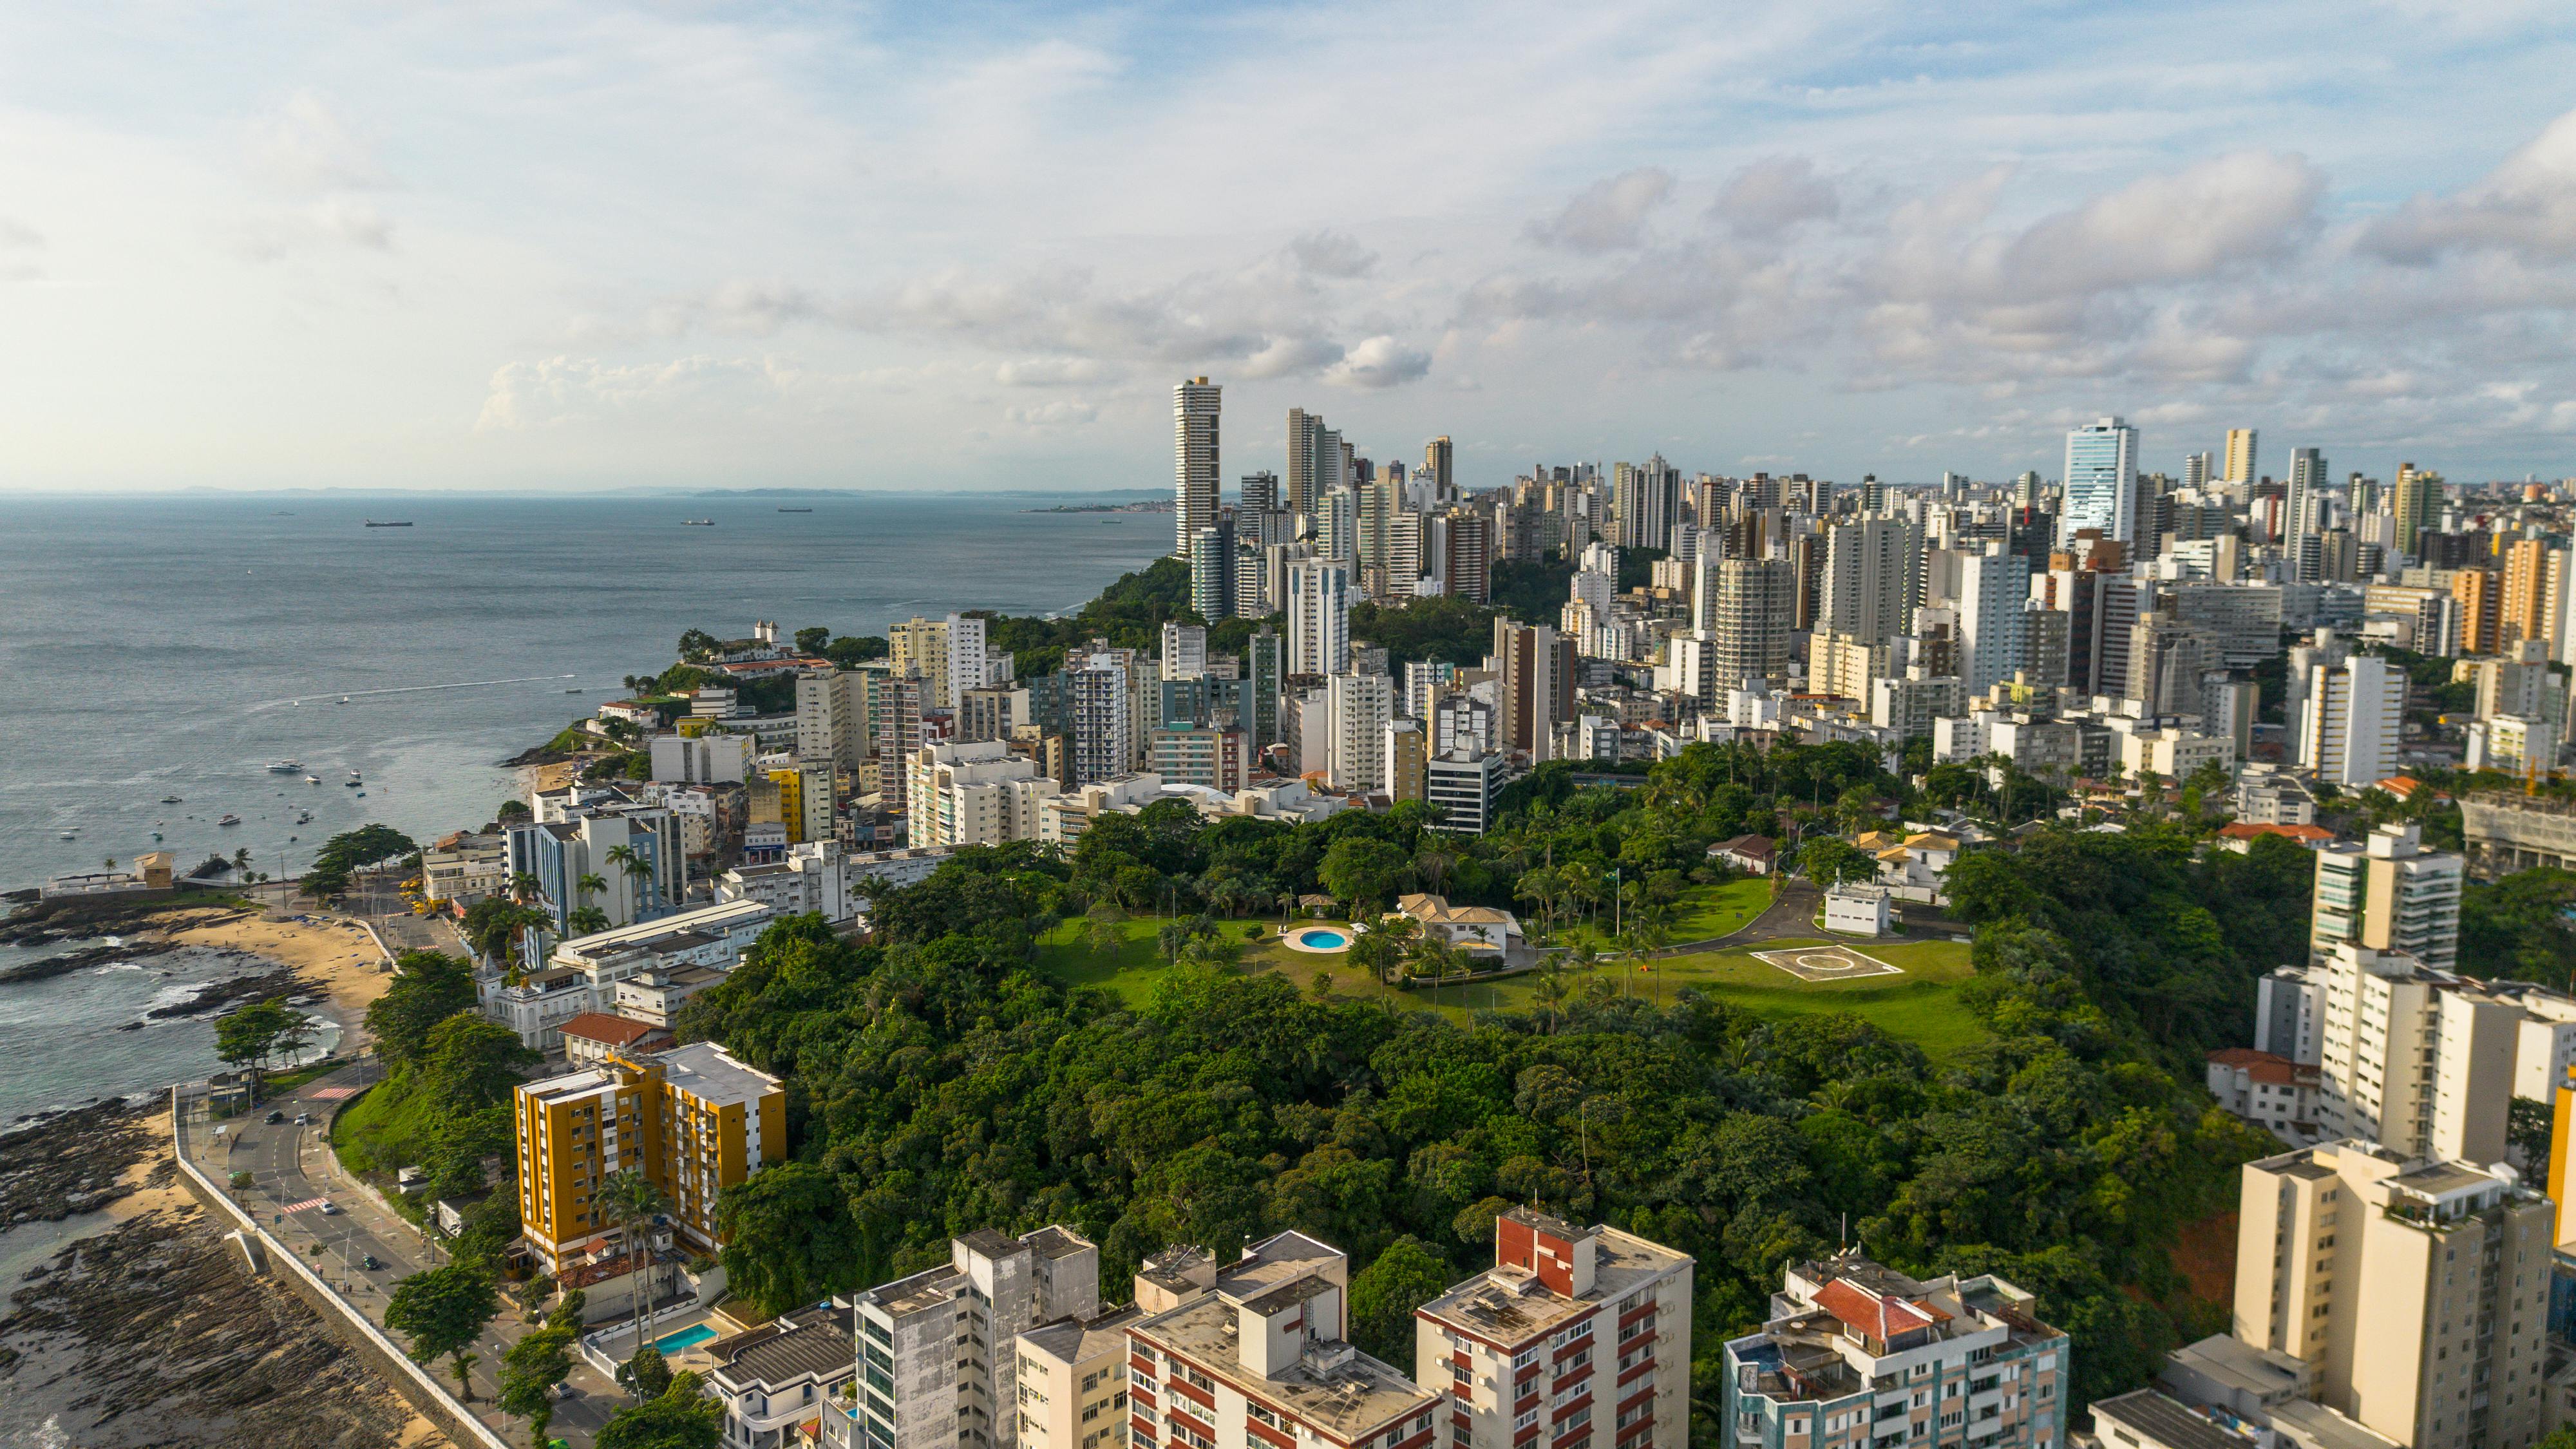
(67, 962)
(153, 1334)
(71, 1162)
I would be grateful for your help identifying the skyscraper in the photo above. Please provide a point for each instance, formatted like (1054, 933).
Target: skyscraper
(1994, 588)
(1538, 685)
(1212, 581)
(1305, 445)
(2101, 461)
(1259, 492)
(1436, 462)
(1750, 620)
(2240, 455)
(2419, 507)
(2306, 497)
(2349, 732)
(1337, 526)
(1466, 553)
(1319, 617)
(1194, 465)
(1873, 569)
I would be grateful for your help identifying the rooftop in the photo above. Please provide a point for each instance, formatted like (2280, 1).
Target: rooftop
(706, 1071)
(2167, 1422)
(1082, 1340)
(1333, 1387)
(813, 1343)
(601, 1026)
(1510, 1305)
(570, 1085)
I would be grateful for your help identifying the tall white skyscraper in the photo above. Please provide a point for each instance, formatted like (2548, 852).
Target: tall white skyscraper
(2303, 514)
(2353, 710)
(1994, 588)
(2101, 461)
(1337, 516)
(1361, 704)
(1318, 605)
(1194, 449)
(1184, 651)
(1871, 583)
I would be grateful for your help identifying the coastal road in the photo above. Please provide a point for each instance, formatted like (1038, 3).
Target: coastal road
(292, 1166)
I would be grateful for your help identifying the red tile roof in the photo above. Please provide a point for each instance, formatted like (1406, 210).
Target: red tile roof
(2304, 834)
(2257, 1066)
(600, 1026)
(1874, 1316)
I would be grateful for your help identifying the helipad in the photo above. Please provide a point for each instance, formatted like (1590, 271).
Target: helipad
(1827, 963)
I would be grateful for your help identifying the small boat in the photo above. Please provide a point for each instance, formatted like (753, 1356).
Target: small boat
(351, 784)
(344, 699)
(312, 779)
(398, 523)
(796, 510)
(283, 767)
(156, 835)
(362, 794)
(170, 800)
(572, 691)
(697, 523)
(229, 820)
(65, 835)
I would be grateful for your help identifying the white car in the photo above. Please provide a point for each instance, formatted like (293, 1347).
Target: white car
(330, 1209)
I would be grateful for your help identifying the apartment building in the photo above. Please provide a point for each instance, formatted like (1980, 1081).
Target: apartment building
(633, 851)
(938, 1366)
(1463, 785)
(583, 974)
(2418, 1291)
(1576, 1337)
(1359, 707)
(1073, 1382)
(1860, 1356)
(974, 794)
(2389, 893)
(1256, 1354)
(465, 867)
(1216, 756)
(693, 1121)
(711, 758)
(811, 876)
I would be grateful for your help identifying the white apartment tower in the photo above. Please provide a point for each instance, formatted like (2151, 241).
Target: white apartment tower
(2101, 462)
(1195, 405)
(1873, 570)
(1994, 590)
(1361, 705)
(1184, 651)
(2348, 728)
(1318, 606)
(938, 1366)
(2390, 894)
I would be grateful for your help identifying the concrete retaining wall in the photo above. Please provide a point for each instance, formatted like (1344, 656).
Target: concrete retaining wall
(417, 1386)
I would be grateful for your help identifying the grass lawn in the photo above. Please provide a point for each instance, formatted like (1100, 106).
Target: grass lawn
(1708, 911)
(1130, 968)
(1921, 1006)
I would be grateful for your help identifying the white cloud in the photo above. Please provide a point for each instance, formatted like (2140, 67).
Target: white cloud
(2525, 207)
(1062, 413)
(1608, 215)
(1290, 357)
(1379, 362)
(556, 391)
(1774, 194)
(1049, 372)
(304, 146)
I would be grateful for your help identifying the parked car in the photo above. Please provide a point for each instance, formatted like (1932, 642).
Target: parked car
(303, 1119)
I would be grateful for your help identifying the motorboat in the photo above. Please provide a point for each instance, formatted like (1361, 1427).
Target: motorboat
(170, 800)
(352, 784)
(64, 835)
(229, 820)
(344, 699)
(283, 767)
(312, 779)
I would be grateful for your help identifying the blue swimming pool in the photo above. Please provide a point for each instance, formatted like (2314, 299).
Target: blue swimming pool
(689, 1337)
(1322, 940)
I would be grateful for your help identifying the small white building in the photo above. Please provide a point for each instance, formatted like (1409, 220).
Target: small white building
(1472, 928)
(1858, 910)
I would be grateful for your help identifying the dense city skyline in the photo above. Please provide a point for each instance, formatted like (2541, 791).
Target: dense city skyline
(595, 247)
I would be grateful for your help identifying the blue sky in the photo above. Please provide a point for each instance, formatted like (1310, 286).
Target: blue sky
(579, 245)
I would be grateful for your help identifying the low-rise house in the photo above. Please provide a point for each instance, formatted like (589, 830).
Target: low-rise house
(1751, 854)
(657, 996)
(2269, 1092)
(2239, 835)
(1858, 910)
(465, 867)
(1927, 856)
(773, 1379)
(595, 1036)
(1476, 929)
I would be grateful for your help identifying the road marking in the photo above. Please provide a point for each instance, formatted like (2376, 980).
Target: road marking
(310, 1202)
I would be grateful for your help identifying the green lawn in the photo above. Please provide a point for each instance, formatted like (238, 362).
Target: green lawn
(1921, 1006)
(1710, 911)
(1130, 969)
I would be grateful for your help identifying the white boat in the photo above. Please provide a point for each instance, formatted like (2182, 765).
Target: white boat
(312, 779)
(65, 835)
(283, 767)
(229, 820)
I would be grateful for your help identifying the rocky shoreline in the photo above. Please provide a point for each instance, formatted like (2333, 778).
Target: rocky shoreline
(66, 962)
(154, 1333)
(279, 981)
(72, 1162)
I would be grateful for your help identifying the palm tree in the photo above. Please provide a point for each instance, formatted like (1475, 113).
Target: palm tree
(241, 863)
(1434, 863)
(591, 885)
(1553, 990)
(630, 1200)
(624, 858)
(587, 921)
(524, 888)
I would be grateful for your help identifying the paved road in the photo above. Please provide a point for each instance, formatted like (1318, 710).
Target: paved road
(1791, 914)
(292, 1164)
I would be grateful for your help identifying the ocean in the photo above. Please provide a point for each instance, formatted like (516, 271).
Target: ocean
(177, 646)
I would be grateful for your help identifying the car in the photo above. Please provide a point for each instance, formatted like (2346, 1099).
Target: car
(303, 1119)
(276, 1117)
(368, 1262)
(330, 1209)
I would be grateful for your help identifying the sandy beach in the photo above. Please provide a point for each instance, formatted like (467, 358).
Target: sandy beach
(341, 957)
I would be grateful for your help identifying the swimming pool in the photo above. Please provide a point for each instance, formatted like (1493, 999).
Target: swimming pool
(1318, 939)
(689, 1337)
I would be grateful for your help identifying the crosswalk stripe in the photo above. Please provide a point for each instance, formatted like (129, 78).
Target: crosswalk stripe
(310, 1202)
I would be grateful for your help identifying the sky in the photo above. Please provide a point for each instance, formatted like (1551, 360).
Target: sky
(559, 246)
